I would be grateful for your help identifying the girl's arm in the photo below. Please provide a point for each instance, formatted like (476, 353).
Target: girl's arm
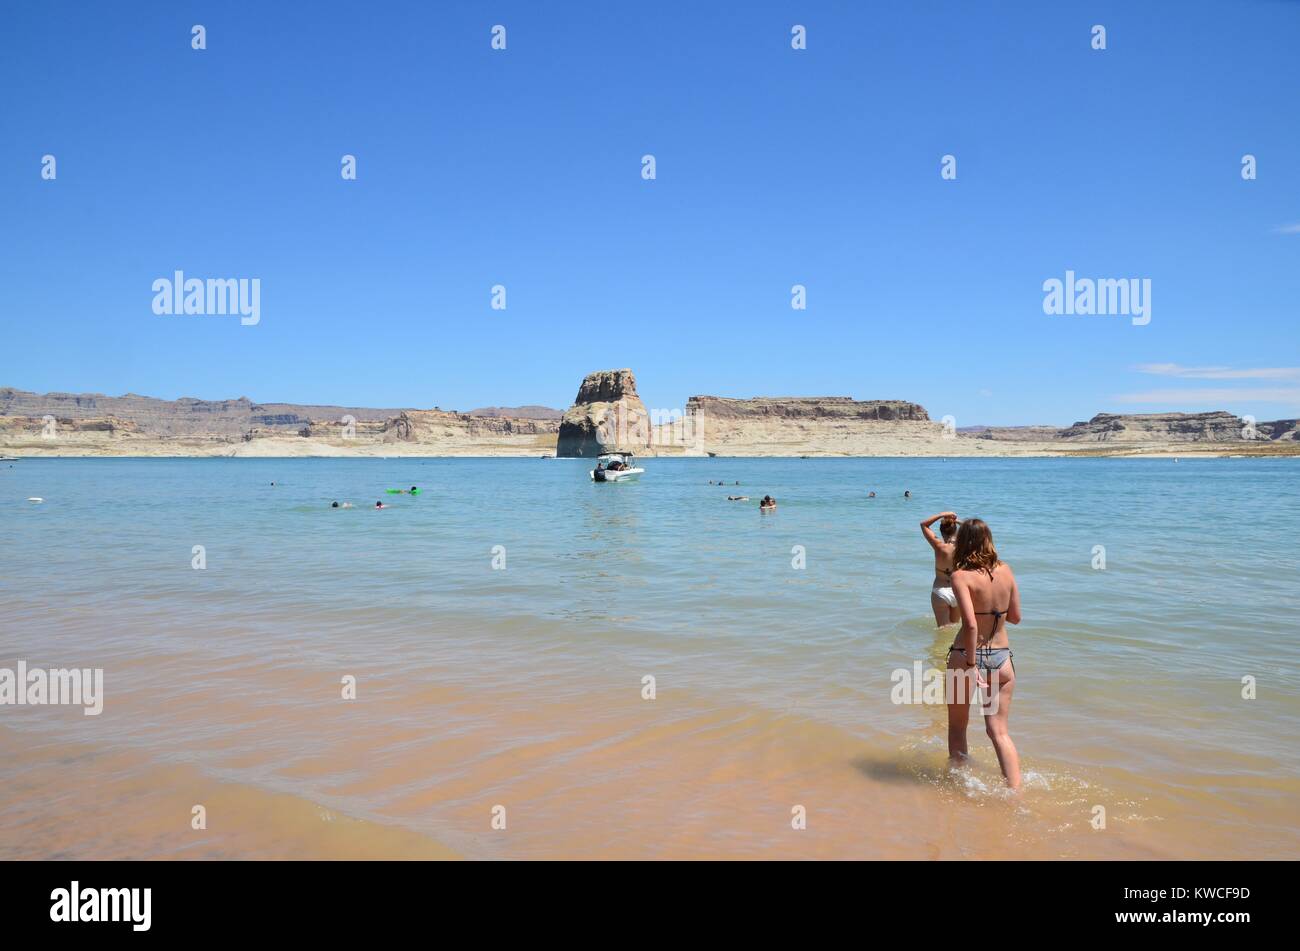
(1013, 607)
(928, 533)
(969, 626)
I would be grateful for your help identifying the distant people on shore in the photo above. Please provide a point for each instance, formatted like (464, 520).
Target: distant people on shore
(942, 601)
(989, 599)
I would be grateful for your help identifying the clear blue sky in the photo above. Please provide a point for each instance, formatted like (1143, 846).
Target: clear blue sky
(775, 167)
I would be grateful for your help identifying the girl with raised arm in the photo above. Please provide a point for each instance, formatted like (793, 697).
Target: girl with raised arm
(942, 600)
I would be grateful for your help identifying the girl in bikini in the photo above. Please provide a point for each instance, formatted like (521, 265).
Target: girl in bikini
(988, 599)
(942, 600)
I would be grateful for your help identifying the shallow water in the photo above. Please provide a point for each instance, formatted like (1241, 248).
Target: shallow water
(522, 687)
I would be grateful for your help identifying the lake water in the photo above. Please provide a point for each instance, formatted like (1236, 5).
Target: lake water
(485, 692)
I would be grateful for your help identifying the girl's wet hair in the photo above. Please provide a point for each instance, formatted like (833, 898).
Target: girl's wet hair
(948, 527)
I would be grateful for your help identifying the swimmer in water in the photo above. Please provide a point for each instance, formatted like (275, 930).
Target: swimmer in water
(334, 505)
(907, 494)
(738, 498)
(942, 601)
(380, 505)
(767, 503)
(871, 495)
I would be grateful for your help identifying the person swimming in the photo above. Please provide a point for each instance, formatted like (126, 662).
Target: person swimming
(767, 502)
(334, 505)
(738, 498)
(942, 601)
(871, 495)
(380, 505)
(907, 494)
(989, 599)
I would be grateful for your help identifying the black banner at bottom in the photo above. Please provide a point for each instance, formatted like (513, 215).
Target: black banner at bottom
(877, 900)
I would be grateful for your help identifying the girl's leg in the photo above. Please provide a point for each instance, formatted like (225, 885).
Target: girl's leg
(1003, 681)
(960, 690)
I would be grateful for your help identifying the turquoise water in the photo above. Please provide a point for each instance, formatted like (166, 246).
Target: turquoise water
(1128, 676)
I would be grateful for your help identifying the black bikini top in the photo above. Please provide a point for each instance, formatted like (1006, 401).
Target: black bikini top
(997, 619)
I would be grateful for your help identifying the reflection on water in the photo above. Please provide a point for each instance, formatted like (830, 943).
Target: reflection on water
(772, 682)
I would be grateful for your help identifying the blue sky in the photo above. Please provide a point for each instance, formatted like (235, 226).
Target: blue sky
(522, 167)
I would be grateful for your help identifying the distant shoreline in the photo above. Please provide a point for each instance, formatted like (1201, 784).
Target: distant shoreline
(607, 412)
(984, 452)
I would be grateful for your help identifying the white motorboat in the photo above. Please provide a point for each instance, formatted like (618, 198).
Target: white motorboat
(616, 467)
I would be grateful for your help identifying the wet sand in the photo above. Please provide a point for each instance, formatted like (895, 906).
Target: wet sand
(605, 775)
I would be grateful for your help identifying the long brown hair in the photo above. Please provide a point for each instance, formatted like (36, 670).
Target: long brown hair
(974, 550)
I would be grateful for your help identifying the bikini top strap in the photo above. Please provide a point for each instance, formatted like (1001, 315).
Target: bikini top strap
(997, 618)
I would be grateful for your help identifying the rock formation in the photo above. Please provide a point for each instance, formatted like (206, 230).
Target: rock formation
(805, 407)
(1011, 433)
(1280, 429)
(433, 425)
(1158, 427)
(131, 424)
(517, 412)
(606, 416)
(182, 417)
(813, 425)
